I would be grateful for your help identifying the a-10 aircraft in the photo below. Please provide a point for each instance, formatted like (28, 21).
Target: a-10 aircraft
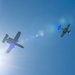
(64, 30)
(12, 42)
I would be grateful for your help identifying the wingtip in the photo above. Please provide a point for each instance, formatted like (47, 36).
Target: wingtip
(19, 32)
(7, 52)
(22, 46)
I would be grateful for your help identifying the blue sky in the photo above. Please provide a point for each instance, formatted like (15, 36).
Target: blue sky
(45, 52)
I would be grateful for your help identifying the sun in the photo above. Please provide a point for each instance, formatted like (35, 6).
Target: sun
(5, 62)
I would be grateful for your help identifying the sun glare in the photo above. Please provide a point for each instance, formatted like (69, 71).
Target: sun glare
(5, 62)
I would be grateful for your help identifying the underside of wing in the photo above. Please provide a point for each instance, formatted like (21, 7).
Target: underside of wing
(62, 34)
(10, 48)
(17, 36)
(19, 45)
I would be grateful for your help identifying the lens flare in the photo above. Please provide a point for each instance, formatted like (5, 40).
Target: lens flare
(37, 35)
(41, 33)
(51, 28)
(62, 21)
(5, 62)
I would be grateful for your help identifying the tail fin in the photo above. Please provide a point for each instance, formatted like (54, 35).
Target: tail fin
(5, 38)
(59, 27)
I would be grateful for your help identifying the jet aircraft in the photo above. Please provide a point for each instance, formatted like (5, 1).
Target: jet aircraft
(12, 42)
(64, 30)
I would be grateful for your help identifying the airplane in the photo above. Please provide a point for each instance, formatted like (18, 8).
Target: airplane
(12, 42)
(65, 30)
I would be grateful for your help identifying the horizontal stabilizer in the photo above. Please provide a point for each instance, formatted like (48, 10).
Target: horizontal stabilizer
(5, 38)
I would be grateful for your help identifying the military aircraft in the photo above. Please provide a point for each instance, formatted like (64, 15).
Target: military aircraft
(12, 42)
(64, 30)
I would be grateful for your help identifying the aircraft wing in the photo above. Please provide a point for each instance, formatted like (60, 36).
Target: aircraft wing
(67, 27)
(17, 36)
(10, 48)
(62, 34)
(19, 45)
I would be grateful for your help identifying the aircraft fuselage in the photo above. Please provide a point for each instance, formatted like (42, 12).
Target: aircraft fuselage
(9, 40)
(65, 30)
